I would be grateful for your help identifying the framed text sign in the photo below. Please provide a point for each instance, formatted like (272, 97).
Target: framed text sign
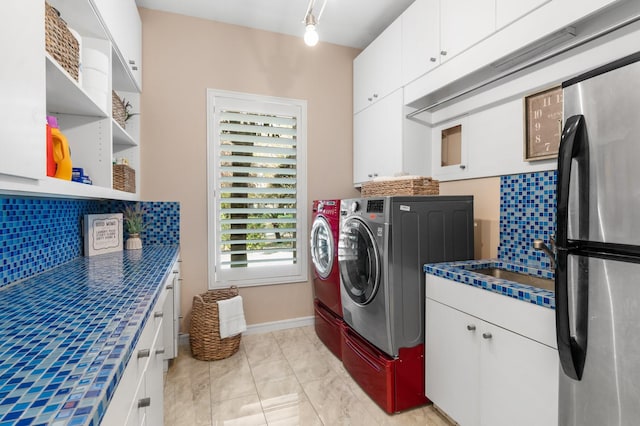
(543, 124)
(102, 233)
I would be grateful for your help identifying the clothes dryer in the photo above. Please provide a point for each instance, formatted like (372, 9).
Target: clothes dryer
(325, 231)
(384, 243)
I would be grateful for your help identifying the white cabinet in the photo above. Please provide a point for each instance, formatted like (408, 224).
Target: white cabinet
(172, 313)
(385, 143)
(450, 149)
(124, 26)
(22, 75)
(420, 39)
(434, 31)
(138, 398)
(464, 23)
(377, 71)
(508, 11)
(488, 357)
(35, 85)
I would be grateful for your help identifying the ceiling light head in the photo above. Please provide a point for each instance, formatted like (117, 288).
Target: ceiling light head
(311, 35)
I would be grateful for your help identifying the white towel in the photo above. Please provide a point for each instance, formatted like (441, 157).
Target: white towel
(231, 316)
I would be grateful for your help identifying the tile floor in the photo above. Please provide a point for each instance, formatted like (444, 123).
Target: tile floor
(286, 377)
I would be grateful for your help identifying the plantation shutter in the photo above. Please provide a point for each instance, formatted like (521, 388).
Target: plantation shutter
(256, 181)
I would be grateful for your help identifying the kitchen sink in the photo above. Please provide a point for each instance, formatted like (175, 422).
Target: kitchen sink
(542, 283)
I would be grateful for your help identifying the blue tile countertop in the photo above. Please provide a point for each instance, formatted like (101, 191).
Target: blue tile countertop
(67, 334)
(462, 272)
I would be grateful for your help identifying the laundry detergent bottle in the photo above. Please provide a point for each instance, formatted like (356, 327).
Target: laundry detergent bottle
(61, 152)
(51, 164)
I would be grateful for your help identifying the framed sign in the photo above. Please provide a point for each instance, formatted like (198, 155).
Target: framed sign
(102, 233)
(543, 124)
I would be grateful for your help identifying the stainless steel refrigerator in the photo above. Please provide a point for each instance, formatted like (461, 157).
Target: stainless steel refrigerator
(598, 248)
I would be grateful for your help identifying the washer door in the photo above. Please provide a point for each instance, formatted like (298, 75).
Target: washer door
(359, 261)
(322, 248)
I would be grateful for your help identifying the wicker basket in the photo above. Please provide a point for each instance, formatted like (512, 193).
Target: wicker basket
(118, 111)
(60, 43)
(124, 178)
(204, 333)
(398, 186)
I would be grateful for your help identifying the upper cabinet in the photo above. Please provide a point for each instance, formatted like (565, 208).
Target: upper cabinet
(420, 39)
(434, 31)
(122, 21)
(507, 11)
(22, 75)
(73, 81)
(377, 71)
(464, 23)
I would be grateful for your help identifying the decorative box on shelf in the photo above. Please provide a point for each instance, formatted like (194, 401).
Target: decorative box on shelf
(124, 178)
(401, 185)
(60, 43)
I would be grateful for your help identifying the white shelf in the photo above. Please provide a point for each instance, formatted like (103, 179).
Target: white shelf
(49, 186)
(64, 94)
(121, 138)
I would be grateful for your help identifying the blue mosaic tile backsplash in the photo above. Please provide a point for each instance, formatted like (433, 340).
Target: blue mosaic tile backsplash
(527, 212)
(37, 234)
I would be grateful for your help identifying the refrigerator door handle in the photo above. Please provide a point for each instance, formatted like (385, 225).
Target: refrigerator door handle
(570, 148)
(572, 349)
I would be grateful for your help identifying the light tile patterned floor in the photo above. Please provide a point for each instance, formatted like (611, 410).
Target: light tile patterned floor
(282, 378)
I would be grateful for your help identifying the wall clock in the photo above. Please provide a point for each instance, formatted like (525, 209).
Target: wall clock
(543, 124)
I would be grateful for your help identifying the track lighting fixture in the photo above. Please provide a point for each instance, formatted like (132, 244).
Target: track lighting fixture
(310, 22)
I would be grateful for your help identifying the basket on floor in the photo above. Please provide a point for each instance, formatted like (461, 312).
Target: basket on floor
(204, 334)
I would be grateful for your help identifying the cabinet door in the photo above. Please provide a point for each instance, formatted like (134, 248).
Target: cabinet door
(463, 23)
(377, 139)
(508, 11)
(451, 361)
(450, 151)
(377, 71)
(420, 39)
(519, 379)
(22, 84)
(123, 24)
(154, 379)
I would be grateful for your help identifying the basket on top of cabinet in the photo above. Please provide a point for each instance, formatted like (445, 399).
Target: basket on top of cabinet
(60, 42)
(403, 185)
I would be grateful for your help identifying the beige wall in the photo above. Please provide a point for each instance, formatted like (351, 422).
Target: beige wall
(486, 211)
(184, 56)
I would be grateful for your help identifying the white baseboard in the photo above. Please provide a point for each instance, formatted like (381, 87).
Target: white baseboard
(267, 327)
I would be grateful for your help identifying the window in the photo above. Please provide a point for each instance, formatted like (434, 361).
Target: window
(257, 189)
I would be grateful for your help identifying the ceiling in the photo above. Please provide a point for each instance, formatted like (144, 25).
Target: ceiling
(353, 23)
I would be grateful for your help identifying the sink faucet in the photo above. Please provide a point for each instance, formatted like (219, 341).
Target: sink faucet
(540, 245)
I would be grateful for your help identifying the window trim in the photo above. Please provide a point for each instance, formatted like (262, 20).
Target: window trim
(266, 275)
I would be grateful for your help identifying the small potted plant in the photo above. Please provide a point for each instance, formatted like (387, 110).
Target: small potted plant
(134, 225)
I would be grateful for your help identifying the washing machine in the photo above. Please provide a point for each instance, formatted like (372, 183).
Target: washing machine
(384, 243)
(325, 232)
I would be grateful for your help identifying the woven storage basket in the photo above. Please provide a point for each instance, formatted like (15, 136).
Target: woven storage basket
(411, 186)
(124, 178)
(118, 112)
(204, 333)
(60, 43)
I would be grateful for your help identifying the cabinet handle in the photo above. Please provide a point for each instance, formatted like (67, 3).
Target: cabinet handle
(432, 59)
(132, 62)
(158, 314)
(471, 327)
(486, 335)
(169, 287)
(179, 279)
(375, 175)
(369, 175)
(179, 260)
(143, 353)
(175, 272)
(443, 52)
(375, 95)
(134, 68)
(180, 316)
(462, 166)
(144, 402)
(370, 99)
(159, 351)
